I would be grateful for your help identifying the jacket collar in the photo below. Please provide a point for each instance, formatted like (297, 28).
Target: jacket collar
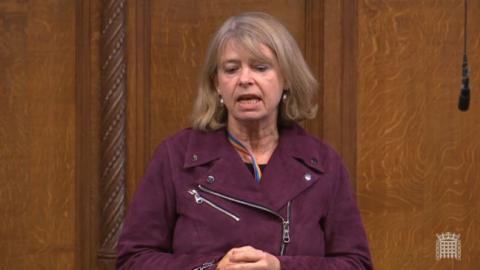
(294, 141)
(204, 147)
(297, 163)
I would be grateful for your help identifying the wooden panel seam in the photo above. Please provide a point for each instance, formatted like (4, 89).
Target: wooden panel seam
(83, 116)
(314, 51)
(349, 88)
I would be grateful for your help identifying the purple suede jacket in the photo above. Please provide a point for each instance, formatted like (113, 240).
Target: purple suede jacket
(198, 200)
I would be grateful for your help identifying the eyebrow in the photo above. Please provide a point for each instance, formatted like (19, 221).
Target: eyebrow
(233, 61)
(250, 61)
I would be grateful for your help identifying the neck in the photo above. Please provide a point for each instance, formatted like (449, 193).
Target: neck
(260, 140)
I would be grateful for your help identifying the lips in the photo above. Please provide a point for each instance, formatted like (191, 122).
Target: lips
(249, 98)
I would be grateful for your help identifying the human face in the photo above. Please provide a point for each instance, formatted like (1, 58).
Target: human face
(251, 88)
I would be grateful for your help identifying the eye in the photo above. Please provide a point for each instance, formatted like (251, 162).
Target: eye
(261, 67)
(230, 69)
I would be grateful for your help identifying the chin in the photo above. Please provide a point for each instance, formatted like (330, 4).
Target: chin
(252, 118)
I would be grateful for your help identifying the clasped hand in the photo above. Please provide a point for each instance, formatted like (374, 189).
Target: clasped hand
(248, 258)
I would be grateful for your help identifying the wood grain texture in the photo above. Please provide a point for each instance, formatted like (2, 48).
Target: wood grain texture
(339, 90)
(88, 110)
(138, 91)
(37, 134)
(418, 156)
(332, 75)
(314, 55)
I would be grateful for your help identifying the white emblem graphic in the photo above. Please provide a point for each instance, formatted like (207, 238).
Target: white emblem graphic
(449, 246)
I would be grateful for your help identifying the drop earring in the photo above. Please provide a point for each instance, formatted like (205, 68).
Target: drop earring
(284, 96)
(220, 97)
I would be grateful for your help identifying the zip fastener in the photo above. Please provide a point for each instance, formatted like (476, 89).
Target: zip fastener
(200, 200)
(285, 222)
(286, 230)
(204, 266)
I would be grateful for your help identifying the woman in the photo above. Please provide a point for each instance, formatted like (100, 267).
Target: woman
(246, 187)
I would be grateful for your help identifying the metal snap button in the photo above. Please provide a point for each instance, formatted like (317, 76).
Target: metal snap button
(194, 157)
(307, 176)
(210, 179)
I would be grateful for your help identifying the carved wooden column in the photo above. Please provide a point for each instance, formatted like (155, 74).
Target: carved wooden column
(113, 75)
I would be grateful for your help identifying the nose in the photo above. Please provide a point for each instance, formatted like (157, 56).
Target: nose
(245, 79)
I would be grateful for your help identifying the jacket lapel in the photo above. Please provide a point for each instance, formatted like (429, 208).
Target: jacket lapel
(224, 171)
(295, 166)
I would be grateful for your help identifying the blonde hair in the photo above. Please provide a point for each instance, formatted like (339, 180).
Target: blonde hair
(249, 30)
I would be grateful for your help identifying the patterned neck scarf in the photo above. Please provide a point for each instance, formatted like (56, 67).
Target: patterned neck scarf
(244, 151)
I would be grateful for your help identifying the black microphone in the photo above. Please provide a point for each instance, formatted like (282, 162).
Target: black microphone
(464, 100)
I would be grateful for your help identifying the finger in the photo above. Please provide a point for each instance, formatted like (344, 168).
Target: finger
(221, 265)
(242, 249)
(247, 255)
(260, 265)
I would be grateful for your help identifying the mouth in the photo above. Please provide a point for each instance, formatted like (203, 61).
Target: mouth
(249, 98)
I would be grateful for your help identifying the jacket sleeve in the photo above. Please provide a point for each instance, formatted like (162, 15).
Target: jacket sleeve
(346, 242)
(146, 238)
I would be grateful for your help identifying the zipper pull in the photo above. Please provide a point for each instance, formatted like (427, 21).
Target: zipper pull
(286, 231)
(204, 266)
(198, 199)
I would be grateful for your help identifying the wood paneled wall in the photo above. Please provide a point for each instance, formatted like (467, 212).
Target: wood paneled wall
(418, 155)
(37, 135)
(389, 75)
